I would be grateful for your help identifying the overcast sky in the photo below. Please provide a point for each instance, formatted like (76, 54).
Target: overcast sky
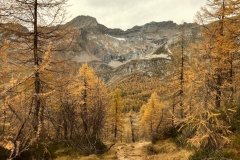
(125, 14)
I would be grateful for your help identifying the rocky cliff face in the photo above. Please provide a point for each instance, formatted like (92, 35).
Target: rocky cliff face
(115, 53)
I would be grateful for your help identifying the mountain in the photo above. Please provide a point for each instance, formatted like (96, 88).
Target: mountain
(115, 53)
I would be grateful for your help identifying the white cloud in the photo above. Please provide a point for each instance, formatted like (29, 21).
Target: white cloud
(128, 13)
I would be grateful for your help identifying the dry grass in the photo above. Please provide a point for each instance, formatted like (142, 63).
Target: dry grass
(110, 155)
(180, 155)
(91, 157)
(167, 150)
(163, 150)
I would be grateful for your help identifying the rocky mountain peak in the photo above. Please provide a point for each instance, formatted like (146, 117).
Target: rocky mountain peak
(163, 24)
(84, 22)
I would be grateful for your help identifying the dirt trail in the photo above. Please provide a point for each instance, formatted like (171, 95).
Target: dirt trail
(133, 151)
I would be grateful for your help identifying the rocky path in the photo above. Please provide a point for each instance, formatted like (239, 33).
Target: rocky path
(133, 151)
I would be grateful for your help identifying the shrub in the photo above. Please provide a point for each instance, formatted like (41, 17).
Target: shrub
(155, 137)
(182, 137)
(166, 133)
(4, 153)
(222, 154)
(151, 150)
(235, 121)
(35, 152)
(89, 145)
(170, 132)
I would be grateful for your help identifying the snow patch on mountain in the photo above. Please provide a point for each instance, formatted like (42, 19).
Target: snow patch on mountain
(115, 64)
(116, 38)
(151, 56)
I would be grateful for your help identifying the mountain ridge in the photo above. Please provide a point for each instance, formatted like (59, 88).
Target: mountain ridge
(83, 20)
(115, 53)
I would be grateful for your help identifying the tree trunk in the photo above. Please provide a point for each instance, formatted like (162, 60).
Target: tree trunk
(160, 122)
(132, 129)
(219, 71)
(37, 81)
(231, 81)
(173, 112)
(182, 75)
(116, 127)
(84, 114)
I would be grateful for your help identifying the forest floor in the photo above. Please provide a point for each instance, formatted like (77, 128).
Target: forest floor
(164, 150)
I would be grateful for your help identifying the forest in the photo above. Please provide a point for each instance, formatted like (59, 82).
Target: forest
(52, 107)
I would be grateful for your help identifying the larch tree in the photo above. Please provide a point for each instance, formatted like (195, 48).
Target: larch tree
(222, 47)
(62, 115)
(90, 99)
(151, 115)
(116, 115)
(212, 81)
(177, 79)
(31, 26)
(5, 79)
(133, 122)
(203, 125)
